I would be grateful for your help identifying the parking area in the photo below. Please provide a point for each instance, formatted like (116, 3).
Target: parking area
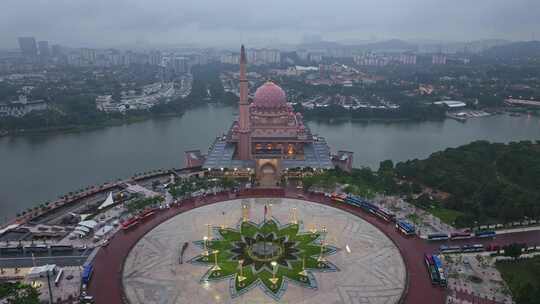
(475, 274)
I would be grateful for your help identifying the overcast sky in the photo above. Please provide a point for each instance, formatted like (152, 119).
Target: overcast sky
(112, 23)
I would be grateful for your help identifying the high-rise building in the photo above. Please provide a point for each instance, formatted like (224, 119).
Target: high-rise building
(88, 56)
(44, 49)
(57, 50)
(438, 59)
(263, 56)
(128, 58)
(74, 58)
(371, 60)
(180, 65)
(115, 58)
(28, 46)
(155, 58)
(407, 59)
(230, 58)
(199, 59)
(315, 57)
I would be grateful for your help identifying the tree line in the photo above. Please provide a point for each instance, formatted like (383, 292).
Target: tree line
(489, 182)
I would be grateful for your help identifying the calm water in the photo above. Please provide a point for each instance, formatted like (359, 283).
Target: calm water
(34, 169)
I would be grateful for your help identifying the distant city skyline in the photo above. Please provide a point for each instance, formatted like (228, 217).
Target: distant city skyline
(123, 23)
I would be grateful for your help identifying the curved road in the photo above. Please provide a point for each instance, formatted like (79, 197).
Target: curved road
(106, 284)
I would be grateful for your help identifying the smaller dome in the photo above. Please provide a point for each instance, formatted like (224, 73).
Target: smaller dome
(270, 95)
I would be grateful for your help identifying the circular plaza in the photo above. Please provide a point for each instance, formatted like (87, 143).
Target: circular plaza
(264, 250)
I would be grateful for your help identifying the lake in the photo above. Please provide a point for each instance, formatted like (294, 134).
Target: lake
(34, 169)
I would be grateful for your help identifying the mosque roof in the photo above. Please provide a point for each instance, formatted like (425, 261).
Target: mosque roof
(270, 95)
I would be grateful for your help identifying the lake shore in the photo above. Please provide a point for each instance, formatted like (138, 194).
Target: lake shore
(40, 166)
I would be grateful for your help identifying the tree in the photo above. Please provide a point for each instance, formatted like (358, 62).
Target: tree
(416, 188)
(525, 294)
(386, 165)
(18, 293)
(513, 250)
(490, 181)
(227, 183)
(308, 182)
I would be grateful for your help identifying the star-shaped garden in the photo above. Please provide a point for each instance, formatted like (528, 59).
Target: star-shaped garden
(268, 255)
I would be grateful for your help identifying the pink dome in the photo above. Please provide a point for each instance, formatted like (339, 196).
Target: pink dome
(270, 95)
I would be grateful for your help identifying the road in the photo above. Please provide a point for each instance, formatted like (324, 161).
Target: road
(22, 262)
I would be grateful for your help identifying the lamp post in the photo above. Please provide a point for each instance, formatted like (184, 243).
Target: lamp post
(323, 235)
(222, 226)
(303, 272)
(294, 220)
(216, 266)
(49, 286)
(209, 233)
(321, 258)
(205, 246)
(245, 213)
(241, 277)
(274, 280)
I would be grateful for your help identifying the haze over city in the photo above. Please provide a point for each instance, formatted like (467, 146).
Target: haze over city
(287, 151)
(123, 23)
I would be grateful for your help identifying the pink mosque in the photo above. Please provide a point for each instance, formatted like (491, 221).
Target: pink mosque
(268, 139)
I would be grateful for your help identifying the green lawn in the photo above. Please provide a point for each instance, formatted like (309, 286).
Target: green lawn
(523, 279)
(448, 216)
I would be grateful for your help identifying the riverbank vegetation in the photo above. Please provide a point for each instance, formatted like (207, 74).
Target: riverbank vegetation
(476, 184)
(408, 111)
(74, 108)
(487, 182)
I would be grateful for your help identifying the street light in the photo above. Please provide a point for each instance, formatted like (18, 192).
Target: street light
(216, 266)
(205, 246)
(241, 277)
(274, 280)
(303, 272)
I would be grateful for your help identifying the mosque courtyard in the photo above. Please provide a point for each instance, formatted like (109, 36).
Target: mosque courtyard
(264, 250)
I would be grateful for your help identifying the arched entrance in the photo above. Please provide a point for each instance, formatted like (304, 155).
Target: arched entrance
(268, 173)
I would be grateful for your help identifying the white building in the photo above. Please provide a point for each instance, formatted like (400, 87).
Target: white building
(263, 56)
(21, 107)
(229, 59)
(522, 102)
(453, 104)
(438, 59)
(408, 59)
(152, 94)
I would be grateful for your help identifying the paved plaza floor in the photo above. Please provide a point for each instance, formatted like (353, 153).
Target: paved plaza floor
(371, 269)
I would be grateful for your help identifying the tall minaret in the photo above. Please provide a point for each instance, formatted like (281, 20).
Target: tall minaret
(244, 152)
